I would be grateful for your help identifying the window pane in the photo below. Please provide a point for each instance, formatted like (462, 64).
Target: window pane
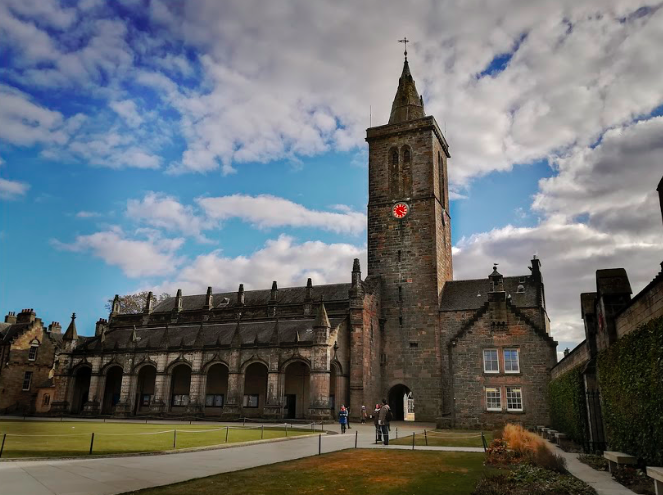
(218, 401)
(32, 355)
(27, 378)
(511, 360)
(209, 400)
(493, 399)
(490, 363)
(514, 399)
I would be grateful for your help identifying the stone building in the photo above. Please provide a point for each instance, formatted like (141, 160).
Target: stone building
(27, 355)
(469, 352)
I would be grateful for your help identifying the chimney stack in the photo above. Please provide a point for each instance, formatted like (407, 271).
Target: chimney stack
(240, 295)
(55, 328)
(26, 316)
(10, 318)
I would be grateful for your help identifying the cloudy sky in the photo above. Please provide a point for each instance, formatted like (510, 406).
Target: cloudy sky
(164, 145)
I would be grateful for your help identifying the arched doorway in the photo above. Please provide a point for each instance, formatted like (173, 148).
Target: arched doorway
(255, 390)
(147, 377)
(297, 390)
(81, 389)
(396, 395)
(112, 389)
(180, 385)
(216, 389)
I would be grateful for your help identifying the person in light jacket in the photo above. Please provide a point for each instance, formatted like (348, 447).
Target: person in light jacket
(378, 429)
(383, 421)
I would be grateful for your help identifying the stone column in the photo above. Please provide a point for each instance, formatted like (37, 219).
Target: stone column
(274, 407)
(93, 405)
(319, 405)
(125, 407)
(233, 406)
(195, 406)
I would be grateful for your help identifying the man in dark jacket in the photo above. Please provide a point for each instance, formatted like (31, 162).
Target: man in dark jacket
(383, 420)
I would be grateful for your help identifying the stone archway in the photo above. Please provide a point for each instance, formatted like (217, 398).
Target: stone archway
(180, 387)
(296, 388)
(112, 389)
(216, 389)
(255, 390)
(147, 377)
(395, 399)
(81, 389)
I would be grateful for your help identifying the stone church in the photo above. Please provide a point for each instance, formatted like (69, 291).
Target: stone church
(464, 353)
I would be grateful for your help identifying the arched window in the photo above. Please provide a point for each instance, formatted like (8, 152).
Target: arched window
(440, 170)
(406, 155)
(406, 172)
(394, 174)
(394, 157)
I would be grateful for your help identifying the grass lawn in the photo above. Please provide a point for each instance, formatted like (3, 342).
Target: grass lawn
(57, 439)
(445, 438)
(346, 472)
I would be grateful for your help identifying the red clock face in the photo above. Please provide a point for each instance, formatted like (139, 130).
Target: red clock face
(400, 210)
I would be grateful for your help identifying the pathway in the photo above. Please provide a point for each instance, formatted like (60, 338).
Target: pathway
(601, 481)
(105, 476)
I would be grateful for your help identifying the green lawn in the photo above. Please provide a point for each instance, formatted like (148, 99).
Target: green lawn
(445, 438)
(58, 439)
(363, 471)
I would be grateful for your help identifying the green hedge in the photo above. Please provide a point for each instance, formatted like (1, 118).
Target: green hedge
(567, 404)
(630, 375)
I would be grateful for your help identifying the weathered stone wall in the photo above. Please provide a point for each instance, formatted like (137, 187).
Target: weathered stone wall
(16, 363)
(412, 256)
(579, 355)
(536, 354)
(646, 306)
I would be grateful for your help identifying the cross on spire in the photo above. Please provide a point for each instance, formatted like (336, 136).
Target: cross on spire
(405, 41)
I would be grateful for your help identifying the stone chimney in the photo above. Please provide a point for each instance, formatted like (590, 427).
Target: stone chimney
(26, 316)
(275, 292)
(308, 298)
(101, 325)
(55, 328)
(10, 318)
(497, 297)
(209, 300)
(273, 300)
(240, 295)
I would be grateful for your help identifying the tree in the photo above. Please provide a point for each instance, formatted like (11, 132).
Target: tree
(135, 303)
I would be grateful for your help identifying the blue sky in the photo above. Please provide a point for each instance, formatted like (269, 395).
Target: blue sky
(158, 145)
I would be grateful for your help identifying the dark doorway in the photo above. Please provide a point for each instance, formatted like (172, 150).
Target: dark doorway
(291, 406)
(145, 393)
(297, 383)
(112, 390)
(396, 401)
(81, 389)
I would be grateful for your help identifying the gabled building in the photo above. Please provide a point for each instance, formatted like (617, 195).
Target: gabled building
(27, 355)
(467, 352)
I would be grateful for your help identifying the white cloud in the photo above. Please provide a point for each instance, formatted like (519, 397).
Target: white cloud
(267, 211)
(154, 256)
(128, 111)
(612, 186)
(160, 210)
(88, 214)
(11, 189)
(288, 262)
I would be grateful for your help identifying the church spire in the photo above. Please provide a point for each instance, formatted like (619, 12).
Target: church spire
(408, 105)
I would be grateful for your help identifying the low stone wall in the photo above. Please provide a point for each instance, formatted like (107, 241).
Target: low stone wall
(579, 355)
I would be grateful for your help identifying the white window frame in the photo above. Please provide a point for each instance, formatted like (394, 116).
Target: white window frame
(27, 377)
(517, 359)
(510, 390)
(497, 355)
(34, 347)
(499, 396)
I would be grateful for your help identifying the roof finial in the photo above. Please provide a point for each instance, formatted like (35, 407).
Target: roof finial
(405, 41)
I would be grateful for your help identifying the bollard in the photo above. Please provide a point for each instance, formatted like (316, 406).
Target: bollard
(320, 445)
(286, 429)
(356, 437)
(2, 447)
(104, 420)
(243, 421)
(483, 441)
(91, 443)
(262, 432)
(397, 433)
(174, 439)
(426, 438)
(322, 426)
(412, 440)
(227, 430)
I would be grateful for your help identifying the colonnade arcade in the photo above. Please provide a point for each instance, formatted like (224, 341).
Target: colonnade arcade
(291, 391)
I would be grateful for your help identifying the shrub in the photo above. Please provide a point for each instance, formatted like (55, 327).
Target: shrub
(520, 440)
(531, 480)
(597, 462)
(566, 395)
(546, 459)
(629, 375)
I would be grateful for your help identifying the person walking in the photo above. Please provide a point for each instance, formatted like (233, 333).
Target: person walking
(376, 422)
(343, 418)
(363, 415)
(348, 419)
(384, 420)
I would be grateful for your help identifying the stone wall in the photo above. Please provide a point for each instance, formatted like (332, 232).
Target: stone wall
(579, 355)
(536, 356)
(646, 306)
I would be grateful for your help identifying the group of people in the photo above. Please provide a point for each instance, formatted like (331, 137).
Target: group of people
(382, 416)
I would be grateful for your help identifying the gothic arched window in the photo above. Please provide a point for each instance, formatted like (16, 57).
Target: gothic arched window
(406, 172)
(394, 173)
(406, 155)
(394, 157)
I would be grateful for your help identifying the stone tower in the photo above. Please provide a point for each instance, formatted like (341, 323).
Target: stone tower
(409, 245)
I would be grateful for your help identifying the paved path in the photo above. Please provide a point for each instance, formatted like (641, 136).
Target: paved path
(601, 481)
(103, 476)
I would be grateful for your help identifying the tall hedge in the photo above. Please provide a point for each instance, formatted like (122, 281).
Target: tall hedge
(567, 404)
(630, 375)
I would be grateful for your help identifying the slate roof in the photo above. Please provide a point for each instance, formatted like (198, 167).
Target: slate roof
(473, 294)
(288, 295)
(213, 334)
(12, 330)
